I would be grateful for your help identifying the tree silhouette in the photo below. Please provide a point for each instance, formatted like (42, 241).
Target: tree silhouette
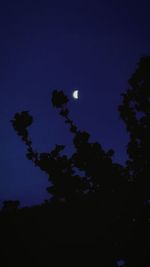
(101, 176)
(93, 200)
(135, 111)
(102, 180)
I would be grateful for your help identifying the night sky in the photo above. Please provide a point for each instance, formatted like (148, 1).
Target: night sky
(93, 46)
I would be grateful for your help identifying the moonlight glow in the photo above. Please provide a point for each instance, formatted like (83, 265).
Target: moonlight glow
(75, 94)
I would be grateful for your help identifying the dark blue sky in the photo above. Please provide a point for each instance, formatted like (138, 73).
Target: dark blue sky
(91, 45)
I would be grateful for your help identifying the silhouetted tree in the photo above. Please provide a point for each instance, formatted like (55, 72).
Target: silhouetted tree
(101, 176)
(109, 203)
(135, 111)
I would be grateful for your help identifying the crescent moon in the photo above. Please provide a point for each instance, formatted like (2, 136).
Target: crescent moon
(75, 94)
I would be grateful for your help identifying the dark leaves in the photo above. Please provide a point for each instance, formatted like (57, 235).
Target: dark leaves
(20, 123)
(89, 158)
(64, 112)
(59, 99)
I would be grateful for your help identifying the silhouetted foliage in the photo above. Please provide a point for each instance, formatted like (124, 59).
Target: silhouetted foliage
(100, 174)
(93, 200)
(59, 99)
(135, 111)
(20, 123)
